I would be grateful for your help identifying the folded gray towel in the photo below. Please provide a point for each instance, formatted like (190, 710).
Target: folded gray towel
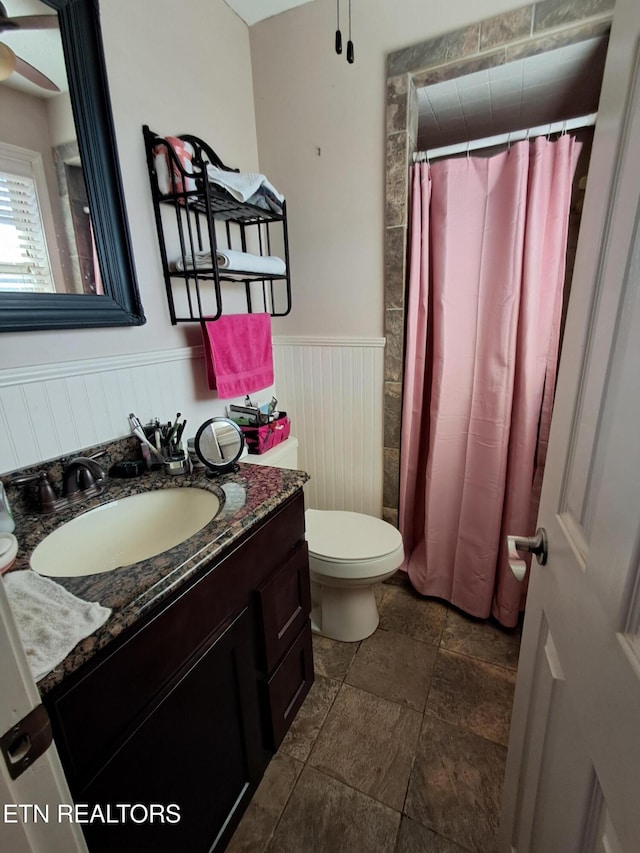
(50, 620)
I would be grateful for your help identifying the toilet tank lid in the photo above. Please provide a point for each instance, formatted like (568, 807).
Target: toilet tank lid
(338, 535)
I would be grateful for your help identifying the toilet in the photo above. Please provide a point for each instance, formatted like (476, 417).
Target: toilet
(349, 553)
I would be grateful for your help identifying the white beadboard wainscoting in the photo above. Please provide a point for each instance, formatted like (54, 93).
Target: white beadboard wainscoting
(49, 410)
(332, 389)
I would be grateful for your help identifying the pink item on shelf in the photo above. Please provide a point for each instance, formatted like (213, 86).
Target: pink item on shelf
(184, 153)
(238, 354)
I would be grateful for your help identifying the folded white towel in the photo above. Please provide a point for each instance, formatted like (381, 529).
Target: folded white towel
(240, 261)
(241, 185)
(50, 620)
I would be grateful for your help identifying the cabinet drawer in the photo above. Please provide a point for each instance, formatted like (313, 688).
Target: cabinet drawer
(289, 685)
(285, 604)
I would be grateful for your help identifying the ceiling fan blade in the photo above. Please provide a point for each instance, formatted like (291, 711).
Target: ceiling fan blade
(28, 22)
(34, 76)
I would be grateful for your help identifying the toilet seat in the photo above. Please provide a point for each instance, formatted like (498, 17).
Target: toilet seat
(351, 545)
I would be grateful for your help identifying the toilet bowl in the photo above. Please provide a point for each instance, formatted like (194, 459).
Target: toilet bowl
(349, 554)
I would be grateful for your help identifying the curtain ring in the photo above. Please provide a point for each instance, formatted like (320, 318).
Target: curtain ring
(564, 128)
(509, 141)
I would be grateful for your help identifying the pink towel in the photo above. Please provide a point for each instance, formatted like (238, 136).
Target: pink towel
(184, 153)
(238, 354)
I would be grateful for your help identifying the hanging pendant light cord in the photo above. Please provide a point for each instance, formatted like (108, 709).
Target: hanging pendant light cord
(338, 33)
(350, 56)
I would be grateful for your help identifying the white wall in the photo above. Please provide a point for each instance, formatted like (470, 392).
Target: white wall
(188, 68)
(307, 98)
(181, 68)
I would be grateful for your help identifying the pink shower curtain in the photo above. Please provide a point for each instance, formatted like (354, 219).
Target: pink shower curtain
(487, 263)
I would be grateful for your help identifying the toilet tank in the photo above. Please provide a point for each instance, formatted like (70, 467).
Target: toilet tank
(283, 455)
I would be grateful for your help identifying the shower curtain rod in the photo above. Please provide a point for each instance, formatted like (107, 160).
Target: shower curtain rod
(506, 138)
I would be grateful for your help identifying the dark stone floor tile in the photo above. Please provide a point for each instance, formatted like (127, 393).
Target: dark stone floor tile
(415, 838)
(368, 743)
(395, 667)
(456, 784)
(256, 827)
(300, 738)
(403, 611)
(325, 816)
(481, 638)
(331, 657)
(472, 694)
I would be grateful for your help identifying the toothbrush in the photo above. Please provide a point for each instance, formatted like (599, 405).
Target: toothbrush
(180, 431)
(136, 429)
(142, 437)
(174, 428)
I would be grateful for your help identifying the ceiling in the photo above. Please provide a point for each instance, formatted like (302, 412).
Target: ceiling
(552, 86)
(252, 11)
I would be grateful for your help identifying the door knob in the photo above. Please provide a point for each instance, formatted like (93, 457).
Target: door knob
(533, 544)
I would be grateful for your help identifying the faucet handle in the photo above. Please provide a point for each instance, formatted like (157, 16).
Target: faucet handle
(22, 479)
(46, 493)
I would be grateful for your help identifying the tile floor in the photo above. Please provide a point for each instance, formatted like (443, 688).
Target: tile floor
(400, 746)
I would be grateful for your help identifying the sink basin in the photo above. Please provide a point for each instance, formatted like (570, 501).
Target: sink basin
(124, 531)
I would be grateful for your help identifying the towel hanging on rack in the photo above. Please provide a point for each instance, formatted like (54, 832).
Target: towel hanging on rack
(238, 354)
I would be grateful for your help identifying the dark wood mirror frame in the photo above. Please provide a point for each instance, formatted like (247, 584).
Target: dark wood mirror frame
(120, 305)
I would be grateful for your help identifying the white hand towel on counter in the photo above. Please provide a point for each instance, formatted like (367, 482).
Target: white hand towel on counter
(241, 185)
(50, 620)
(240, 261)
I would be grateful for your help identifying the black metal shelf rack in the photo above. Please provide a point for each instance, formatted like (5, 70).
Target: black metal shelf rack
(198, 216)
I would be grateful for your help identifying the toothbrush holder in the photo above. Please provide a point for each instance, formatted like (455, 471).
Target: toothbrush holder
(177, 464)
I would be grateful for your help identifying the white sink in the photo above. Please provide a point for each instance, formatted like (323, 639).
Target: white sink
(123, 532)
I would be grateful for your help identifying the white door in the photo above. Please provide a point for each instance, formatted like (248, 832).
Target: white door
(573, 768)
(43, 784)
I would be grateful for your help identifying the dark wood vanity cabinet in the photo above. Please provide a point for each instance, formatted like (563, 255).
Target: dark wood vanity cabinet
(188, 707)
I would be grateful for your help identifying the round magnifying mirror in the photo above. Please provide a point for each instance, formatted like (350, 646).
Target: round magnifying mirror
(219, 443)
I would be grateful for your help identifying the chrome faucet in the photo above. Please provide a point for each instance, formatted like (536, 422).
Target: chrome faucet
(80, 475)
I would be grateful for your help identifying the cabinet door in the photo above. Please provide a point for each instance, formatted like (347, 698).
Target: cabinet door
(200, 749)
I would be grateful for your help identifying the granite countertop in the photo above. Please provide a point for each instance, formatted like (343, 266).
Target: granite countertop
(248, 495)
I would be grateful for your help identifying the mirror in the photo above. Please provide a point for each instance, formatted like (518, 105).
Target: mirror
(219, 443)
(92, 266)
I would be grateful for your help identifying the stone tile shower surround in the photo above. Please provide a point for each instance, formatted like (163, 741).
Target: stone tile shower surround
(527, 31)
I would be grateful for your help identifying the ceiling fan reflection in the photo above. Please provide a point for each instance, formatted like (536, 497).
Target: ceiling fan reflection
(9, 62)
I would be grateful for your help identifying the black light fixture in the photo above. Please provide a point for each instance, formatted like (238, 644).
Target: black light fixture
(350, 54)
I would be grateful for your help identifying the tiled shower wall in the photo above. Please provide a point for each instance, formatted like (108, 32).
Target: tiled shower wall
(527, 31)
